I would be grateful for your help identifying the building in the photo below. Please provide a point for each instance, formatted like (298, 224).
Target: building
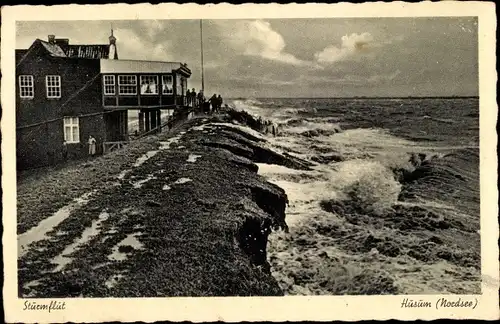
(65, 93)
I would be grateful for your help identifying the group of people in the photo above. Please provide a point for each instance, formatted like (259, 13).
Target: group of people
(194, 99)
(216, 103)
(198, 100)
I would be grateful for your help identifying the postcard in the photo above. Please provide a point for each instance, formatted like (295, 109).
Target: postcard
(256, 162)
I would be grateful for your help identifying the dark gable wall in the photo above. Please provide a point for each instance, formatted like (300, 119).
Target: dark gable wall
(42, 145)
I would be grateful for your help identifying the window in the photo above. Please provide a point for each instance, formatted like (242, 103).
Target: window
(167, 81)
(127, 84)
(71, 130)
(109, 85)
(53, 85)
(26, 86)
(149, 84)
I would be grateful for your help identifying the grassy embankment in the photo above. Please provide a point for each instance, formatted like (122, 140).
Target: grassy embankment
(192, 220)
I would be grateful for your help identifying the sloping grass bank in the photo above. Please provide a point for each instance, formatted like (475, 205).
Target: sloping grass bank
(192, 220)
(41, 192)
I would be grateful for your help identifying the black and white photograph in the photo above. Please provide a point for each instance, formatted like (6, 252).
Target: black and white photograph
(248, 157)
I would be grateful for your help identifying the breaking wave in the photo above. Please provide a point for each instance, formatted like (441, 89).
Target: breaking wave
(366, 183)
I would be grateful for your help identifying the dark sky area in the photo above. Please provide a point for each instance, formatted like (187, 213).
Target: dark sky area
(337, 57)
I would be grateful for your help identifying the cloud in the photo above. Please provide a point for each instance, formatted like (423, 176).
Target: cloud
(351, 45)
(270, 58)
(153, 28)
(257, 38)
(133, 45)
(383, 77)
(212, 65)
(353, 79)
(266, 80)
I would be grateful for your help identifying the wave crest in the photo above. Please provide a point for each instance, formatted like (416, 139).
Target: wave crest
(368, 185)
(375, 191)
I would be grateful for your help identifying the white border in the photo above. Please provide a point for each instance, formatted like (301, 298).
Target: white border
(319, 308)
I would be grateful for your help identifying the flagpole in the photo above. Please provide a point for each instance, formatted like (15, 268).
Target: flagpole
(201, 41)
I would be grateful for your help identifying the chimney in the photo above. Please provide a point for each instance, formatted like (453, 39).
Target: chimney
(52, 39)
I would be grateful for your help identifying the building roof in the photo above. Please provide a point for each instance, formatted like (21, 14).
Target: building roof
(135, 66)
(63, 49)
(88, 51)
(99, 51)
(53, 49)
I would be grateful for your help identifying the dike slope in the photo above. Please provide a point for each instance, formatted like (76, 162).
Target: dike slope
(189, 217)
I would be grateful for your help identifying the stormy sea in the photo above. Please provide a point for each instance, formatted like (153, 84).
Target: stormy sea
(391, 205)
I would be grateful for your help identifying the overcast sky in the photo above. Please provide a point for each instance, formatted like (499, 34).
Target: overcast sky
(297, 57)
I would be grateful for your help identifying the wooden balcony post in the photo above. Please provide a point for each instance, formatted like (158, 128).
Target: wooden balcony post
(125, 125)
(141, 122)
(153, 119)
(158, 118)
(148, 123)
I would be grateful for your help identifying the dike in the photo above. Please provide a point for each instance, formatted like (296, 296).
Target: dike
(190, 219)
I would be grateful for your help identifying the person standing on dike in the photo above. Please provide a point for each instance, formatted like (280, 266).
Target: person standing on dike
(193, 98)
(92, 145)
(213, 102)
(188, 98)
(201, 100)
(219, 102)
(65, 151)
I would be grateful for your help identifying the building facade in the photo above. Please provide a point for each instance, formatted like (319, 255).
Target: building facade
(65, 93)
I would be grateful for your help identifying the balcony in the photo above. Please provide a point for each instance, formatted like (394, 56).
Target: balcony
(128, 84)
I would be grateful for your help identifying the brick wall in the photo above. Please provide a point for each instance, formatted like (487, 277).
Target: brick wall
(42, 144)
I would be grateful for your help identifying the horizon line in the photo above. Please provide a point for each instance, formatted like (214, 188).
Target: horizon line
(363, 97)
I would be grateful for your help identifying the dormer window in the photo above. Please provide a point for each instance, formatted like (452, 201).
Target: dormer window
(26, 87)
(53, 86)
